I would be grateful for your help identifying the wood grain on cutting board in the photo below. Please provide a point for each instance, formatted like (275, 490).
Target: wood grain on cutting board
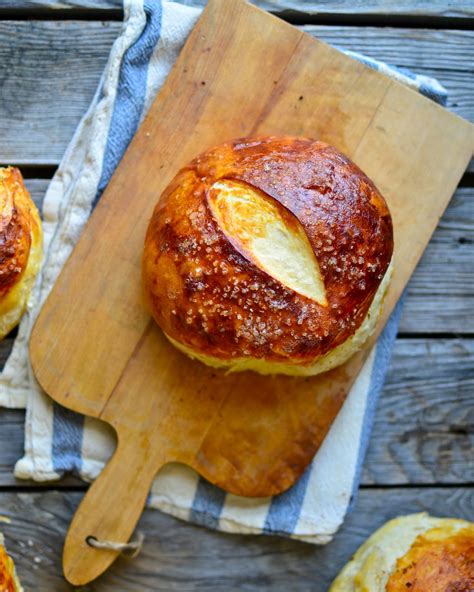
(94, 348)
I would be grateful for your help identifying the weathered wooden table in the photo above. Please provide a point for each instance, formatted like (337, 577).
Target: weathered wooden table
(421, 455)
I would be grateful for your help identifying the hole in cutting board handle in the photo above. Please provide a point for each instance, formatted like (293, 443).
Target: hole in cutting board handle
(92, 541)
(130, 550)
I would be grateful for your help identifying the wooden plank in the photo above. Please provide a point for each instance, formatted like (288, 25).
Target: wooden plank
(437, 314)
(50, 73)
(180, 556)
(432, 8)
(54, 5)
(440, 295)
(423, 430)
(48, 77)
(37, 189)
(416, 49)
(463, 9)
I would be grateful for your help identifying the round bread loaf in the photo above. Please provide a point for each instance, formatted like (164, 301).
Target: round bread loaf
(415, 553)
(20, 247)
(269, 254)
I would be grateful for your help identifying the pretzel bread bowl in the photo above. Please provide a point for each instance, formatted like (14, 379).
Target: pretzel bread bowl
(270, 254)
(21, 241)
(415, 553)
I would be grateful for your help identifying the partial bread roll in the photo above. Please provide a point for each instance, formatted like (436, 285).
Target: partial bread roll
(415, 553)
(269, 254)
(20, 247)
(8, 579)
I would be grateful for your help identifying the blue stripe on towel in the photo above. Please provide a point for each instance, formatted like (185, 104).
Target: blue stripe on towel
(131, 92)
(285, 508)
(207, 504)
(439, 95)
(68, 428)
(408, 73)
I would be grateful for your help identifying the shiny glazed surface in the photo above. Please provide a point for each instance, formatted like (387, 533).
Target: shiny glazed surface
(211, 293)
(436, 562)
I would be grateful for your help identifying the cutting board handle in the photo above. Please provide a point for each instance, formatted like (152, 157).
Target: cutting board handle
(110, 509)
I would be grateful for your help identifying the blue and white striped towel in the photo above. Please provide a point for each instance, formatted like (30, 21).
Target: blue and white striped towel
(58, 440)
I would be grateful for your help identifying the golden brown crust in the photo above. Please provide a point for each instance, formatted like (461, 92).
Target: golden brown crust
(206, 294)
(16, 220)
(437, 565)
(7, 578)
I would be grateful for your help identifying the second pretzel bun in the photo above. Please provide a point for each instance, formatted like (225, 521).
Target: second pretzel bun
(414, 553)
(269, 254)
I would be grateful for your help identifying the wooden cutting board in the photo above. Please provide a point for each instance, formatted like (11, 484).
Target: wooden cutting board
(95, 349)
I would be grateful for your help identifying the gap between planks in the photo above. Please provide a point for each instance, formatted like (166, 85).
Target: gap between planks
(437, 14)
